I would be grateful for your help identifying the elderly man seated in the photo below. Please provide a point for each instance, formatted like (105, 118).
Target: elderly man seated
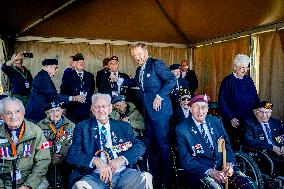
(24, 140)
(121, 150)
(127, 112)
(181, 112)
(197, 142)
(58, 130)
(266, 133)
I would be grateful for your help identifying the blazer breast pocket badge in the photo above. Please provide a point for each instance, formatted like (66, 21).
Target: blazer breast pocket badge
(148, 75)
(197, 149)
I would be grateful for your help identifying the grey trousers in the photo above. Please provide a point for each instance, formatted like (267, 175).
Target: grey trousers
(127, 179)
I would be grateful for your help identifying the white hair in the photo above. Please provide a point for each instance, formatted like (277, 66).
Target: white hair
(241, 58)
(106, 96)
(10, 99)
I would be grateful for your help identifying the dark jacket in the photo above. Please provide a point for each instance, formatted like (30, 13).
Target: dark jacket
(43, 93)
(72, 86)
(255, 136)
(195, 156)
(18, 79)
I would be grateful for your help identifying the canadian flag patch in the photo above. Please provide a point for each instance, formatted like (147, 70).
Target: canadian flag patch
(45, 145)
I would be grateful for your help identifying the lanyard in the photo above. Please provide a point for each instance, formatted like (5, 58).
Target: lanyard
(13, 146)
(57, 134)
(25, 74)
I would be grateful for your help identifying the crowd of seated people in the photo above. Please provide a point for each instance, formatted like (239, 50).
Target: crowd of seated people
(82, 139)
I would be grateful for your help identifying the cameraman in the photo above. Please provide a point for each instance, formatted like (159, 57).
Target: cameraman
(20, 77)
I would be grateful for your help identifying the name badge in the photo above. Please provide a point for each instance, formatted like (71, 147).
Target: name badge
(27, 84)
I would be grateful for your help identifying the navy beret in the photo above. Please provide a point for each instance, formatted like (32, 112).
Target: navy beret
(118, 98)
(46, 62)
(78, 57)
(263, 104)
(174, 66)
(113, 58)
(54, 104)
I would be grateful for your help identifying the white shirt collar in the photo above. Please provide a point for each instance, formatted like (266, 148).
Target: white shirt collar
(237, 76)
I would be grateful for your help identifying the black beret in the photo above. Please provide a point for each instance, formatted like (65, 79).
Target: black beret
(118, 98)
(54, 104)
(263, 104)
(78, 57)
(113, 58)
(46, 62)
(174, 66)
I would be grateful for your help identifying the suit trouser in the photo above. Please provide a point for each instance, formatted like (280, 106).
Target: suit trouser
(157, 146)
(127, 179)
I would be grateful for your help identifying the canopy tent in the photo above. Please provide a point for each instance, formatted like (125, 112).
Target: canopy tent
(172, 29)
(183, 21)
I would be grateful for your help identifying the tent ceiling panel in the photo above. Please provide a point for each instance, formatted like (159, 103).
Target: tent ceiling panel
(167, 21)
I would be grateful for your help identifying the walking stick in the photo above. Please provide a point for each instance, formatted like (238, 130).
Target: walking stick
(108, 160)
(222, 148)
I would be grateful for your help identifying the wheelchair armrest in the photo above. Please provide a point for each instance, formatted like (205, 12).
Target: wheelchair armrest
(260, 156)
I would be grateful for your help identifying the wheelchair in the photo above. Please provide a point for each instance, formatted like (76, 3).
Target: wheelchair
(260, 167)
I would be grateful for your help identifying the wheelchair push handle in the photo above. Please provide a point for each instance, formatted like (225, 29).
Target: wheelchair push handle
(108, 161)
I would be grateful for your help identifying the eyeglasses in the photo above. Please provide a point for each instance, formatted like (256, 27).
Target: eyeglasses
(264, 112)
(9, 113)
(101, 106)
(184, 99)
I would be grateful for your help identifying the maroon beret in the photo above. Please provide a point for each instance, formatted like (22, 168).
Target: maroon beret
(199, 98)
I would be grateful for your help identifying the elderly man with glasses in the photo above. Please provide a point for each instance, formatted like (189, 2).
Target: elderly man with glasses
(266, 133)
(25, 141)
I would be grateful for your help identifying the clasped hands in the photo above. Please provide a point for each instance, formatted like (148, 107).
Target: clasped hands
(113, 78)
(106, 170)
(221, 176)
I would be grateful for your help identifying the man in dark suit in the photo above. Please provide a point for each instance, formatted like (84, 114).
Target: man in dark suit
(113, 82)
(101, 74)
(266, 133)
(44, 92)
(114, 137)
(197, 141)
(156, 81)
(190, 76)
(78, 82)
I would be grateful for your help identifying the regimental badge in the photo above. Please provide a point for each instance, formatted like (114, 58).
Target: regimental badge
(46, 133)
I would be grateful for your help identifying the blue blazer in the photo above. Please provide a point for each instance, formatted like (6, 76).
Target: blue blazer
(71, 86)
(195, 155)
(86, 141)
(157, 79)
(255, 136)
(43, 92)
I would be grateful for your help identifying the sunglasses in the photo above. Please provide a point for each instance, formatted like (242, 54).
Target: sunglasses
(184, 99)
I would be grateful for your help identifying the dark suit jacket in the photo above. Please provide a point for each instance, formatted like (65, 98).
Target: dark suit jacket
(86, 141)
(192, 81)
(43, 92)
(104, 86)
(255, 136)
(195, 160)
(178, 115)
(157, 79)
(71, 85)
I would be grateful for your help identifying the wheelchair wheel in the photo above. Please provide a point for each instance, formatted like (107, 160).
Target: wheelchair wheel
(247, 165)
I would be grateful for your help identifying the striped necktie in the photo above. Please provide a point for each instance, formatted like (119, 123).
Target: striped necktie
(268, 132)
(104, 141)
(206, 138)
